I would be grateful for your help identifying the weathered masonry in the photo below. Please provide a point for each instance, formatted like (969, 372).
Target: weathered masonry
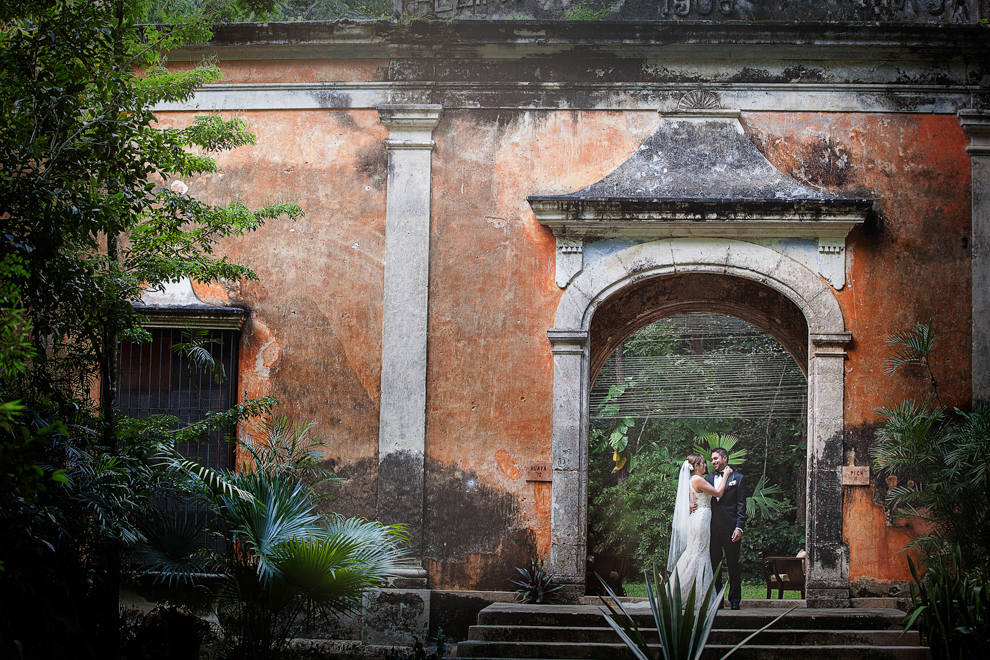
(492, 206)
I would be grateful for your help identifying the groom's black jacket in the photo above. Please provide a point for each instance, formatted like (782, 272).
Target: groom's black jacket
(729, 512)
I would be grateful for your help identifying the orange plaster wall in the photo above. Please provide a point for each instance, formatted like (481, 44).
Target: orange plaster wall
(314, 335)
(314, 338)
(493, 296)
(912, 265)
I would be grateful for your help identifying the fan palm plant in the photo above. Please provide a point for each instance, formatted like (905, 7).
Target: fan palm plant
(284, 560)
(281, 561)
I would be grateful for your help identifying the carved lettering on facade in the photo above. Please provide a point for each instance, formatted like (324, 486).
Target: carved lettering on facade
(856, 475)
(701, 7)
(539, 471)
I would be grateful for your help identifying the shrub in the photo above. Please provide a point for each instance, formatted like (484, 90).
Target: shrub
(951, 608)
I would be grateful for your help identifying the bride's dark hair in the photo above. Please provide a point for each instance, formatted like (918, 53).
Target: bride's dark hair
(694, 459)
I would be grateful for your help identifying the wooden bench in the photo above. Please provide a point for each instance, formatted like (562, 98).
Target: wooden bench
(784, 574)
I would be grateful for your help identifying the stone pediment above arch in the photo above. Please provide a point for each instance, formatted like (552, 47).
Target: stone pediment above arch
(698, 174)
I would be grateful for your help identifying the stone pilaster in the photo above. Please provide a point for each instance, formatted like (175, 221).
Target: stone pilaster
(569, 509)
(828, 556)
(402, 419)
(976, 123)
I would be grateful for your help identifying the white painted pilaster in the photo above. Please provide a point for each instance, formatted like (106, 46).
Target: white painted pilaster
(976, 123)
(402, 417)
(568, 508)
(828, 556)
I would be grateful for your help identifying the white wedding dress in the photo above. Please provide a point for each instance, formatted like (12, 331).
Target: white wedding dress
(695, 566)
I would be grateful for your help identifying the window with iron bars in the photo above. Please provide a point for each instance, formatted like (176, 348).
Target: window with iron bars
(159, 378)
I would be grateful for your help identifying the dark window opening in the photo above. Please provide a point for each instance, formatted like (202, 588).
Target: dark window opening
(158, 378)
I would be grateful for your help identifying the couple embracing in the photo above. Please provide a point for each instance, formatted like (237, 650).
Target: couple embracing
(709, 517)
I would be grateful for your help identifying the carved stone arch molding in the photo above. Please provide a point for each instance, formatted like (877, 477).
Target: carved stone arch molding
(707, 204)
(827, 564)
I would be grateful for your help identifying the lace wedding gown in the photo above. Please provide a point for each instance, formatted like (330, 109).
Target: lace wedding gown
(695, 565)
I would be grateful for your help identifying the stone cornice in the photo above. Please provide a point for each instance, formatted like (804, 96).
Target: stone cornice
(213, 318)
(636, 95)
(976, 123)
(830, 344)
(583, 219)
(564, 342)
(501, 39)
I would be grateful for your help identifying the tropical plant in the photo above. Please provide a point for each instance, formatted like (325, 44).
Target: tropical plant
(90, 218)
(281, 560)
(537, 586)
(938, 463)
(196, 350)
(283, 448)
(284, 562)
(951, 608)
(711, 441)
(617, 437)
(913, 347)
(683, 627)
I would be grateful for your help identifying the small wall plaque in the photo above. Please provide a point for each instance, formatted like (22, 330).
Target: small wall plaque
(856, 475)
(539, 471)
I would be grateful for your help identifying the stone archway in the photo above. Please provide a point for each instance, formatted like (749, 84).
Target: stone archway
(611, 276)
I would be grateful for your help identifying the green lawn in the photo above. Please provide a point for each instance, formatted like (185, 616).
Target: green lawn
(754, 591)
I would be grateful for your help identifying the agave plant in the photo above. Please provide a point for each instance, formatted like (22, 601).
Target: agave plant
(683, 628)
(536, 586)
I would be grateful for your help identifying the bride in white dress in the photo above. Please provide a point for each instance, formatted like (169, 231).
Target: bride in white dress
(689, 542)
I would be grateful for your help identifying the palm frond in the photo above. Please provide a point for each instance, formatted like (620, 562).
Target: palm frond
(762, 502)
(220, 484)
(911, 347)
(171, 549)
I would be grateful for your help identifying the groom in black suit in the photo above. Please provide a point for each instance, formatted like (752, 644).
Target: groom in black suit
(728, 522)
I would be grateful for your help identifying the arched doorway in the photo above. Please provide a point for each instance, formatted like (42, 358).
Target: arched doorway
(758, 284)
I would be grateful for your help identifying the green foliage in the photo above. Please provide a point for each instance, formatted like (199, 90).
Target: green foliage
(585, 10)
(197, 351)
(537, 586)
(16, 350)
(634, 516)
(940, 461)
(282, 560)
(287, 450)
(770, 537)
(89, 219)
(951, 608)
(707, 443)
(913, 347)
(683, 627)
(215, 12)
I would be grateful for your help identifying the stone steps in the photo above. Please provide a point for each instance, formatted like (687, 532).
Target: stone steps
(602, 635)
(579, 632)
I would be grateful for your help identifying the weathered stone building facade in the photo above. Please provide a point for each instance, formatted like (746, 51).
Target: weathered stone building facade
(492, 205)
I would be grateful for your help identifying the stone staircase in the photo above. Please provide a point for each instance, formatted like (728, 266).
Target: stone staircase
(579, 632)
